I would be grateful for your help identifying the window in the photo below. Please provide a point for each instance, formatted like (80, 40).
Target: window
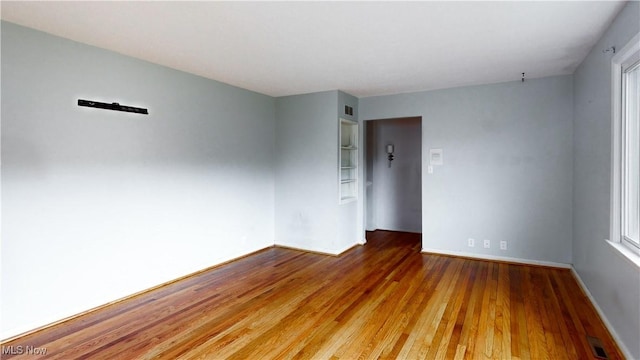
(625, 180)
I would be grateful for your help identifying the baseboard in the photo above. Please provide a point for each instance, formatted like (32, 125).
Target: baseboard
(497, 258)
(606, 322)
(411, 231)
(319, 252)
(347, 248)
(36, 328)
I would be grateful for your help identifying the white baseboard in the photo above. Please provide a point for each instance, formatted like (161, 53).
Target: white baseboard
(497, 258)
(413, 231)
(606, 322)
(319, 251)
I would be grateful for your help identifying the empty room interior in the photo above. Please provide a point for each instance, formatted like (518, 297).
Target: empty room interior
(320, 180)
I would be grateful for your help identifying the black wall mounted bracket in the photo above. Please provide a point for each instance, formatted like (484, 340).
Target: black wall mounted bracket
(112, 106)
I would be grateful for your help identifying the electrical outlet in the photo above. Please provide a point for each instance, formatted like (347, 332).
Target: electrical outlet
(471, 243)
(487, 244)
(503, 245)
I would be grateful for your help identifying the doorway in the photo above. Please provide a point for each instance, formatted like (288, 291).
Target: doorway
(393, 174)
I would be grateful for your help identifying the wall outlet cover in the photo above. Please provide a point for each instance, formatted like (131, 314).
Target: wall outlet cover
(503, 245)
(471, 243)
(487, 244)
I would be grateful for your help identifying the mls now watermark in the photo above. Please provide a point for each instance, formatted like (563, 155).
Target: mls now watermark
(23, 350)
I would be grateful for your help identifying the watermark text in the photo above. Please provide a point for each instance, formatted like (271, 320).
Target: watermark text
(23, 350)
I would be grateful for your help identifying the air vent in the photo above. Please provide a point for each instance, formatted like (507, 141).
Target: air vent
(348, 110)
(597, 348)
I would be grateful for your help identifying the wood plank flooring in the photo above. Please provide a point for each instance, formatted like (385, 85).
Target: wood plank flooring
(384, 300)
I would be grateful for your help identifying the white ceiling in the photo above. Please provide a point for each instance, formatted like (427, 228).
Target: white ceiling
(363, 48)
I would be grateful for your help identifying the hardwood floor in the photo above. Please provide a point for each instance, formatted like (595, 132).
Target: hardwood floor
(382, 300)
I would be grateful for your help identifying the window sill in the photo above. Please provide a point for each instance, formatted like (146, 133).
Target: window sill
(626, 253)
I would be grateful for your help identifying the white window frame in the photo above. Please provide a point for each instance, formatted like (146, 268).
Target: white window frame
(618, 62)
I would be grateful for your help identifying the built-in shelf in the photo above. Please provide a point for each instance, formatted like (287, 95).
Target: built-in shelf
(348, 162)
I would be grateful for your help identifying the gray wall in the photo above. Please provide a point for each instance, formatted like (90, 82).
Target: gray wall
(97, 204)
(507, 172)
(369, 155)
(307, 213)
(397, 189)
(306, 191)
(613, 282)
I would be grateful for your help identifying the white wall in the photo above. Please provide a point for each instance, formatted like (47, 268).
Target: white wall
(397, 189)
(613, 282)
(507, 172)
(97, 204)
